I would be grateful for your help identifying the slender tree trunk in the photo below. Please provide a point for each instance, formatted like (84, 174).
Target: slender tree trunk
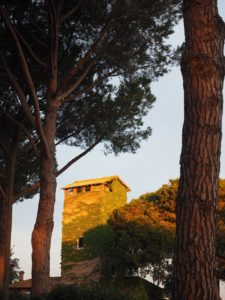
(8, 210)
(42, 233)
(5, 244)
(7, 249)
(3, 210)
(203, 73)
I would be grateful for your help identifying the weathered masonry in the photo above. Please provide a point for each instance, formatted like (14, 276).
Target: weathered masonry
(87, 204)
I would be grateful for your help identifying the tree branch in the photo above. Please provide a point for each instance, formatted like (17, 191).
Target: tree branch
(70, 12)
(101, 37)
(64, 139)
(18, 89)
(72, 161)
(54, 29)
(2, 192)
(36, 185)
(17, 123)
(89, 87)
(29, 80)
(5, 149)
(74, 85)
(33, 55)
(26, 191)
(2, 176)
(36, 39)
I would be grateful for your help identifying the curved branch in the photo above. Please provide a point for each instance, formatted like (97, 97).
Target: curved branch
(28, 77)
(25, 131)
(14, 82)
(33, 55)
(5, 149)
(36, 185)
(101, 37)
(74, 85)
(27, 190)
(70, 12)
(2, 192)
(72, 161)
(89, 87)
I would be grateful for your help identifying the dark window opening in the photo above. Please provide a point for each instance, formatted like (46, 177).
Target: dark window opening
(113, 270)
(80, 243)
(79, 189)
(88, 188)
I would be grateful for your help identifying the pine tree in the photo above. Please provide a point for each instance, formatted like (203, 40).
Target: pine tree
(203, 74)
(60, 56)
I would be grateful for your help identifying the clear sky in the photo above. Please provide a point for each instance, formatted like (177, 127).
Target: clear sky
(153, 165)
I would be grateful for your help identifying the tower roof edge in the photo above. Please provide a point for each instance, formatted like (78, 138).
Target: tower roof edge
(94, 181)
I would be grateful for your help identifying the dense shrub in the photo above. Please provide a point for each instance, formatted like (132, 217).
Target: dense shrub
(94, 292)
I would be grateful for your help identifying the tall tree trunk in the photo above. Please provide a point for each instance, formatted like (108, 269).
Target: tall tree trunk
(9, 190)
(42, 233)
(3, 210)
(8, 248)
(203, 73)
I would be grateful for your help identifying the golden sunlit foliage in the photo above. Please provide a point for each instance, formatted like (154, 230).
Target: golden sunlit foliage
(145, 228)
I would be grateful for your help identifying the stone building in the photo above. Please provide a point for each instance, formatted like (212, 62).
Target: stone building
(87, 204)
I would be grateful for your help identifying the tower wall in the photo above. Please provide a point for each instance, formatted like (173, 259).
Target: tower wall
(85, 208)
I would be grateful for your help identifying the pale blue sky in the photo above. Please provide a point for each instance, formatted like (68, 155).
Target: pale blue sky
(153, 165)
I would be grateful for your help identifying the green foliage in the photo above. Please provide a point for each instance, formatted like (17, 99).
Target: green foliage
(94, 292)
(141, 240)
(126, 289)
(17, 296)
(100, 241)
(133, 49)
(14, 268)
(165, 199)
(138, 288)
(115, 116)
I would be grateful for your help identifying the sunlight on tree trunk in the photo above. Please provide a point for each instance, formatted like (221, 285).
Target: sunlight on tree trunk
(203, 73)
(42, 233)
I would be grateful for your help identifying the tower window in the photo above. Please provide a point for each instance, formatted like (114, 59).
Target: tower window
(80, 243)
(79, 189)
(88, 188)
(113, 270)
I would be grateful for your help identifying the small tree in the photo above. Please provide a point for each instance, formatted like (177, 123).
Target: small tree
(14, 268)
(18, 167)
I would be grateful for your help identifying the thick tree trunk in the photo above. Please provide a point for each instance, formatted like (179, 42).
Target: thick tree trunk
(42, 233)
(202, 69)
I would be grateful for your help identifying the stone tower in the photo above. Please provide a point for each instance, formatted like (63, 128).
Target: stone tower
(87, 204)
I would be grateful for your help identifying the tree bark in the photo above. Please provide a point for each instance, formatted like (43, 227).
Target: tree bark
(42, 233)
(8, 204)
(3, 210)
(7, 248)
(203, 74)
